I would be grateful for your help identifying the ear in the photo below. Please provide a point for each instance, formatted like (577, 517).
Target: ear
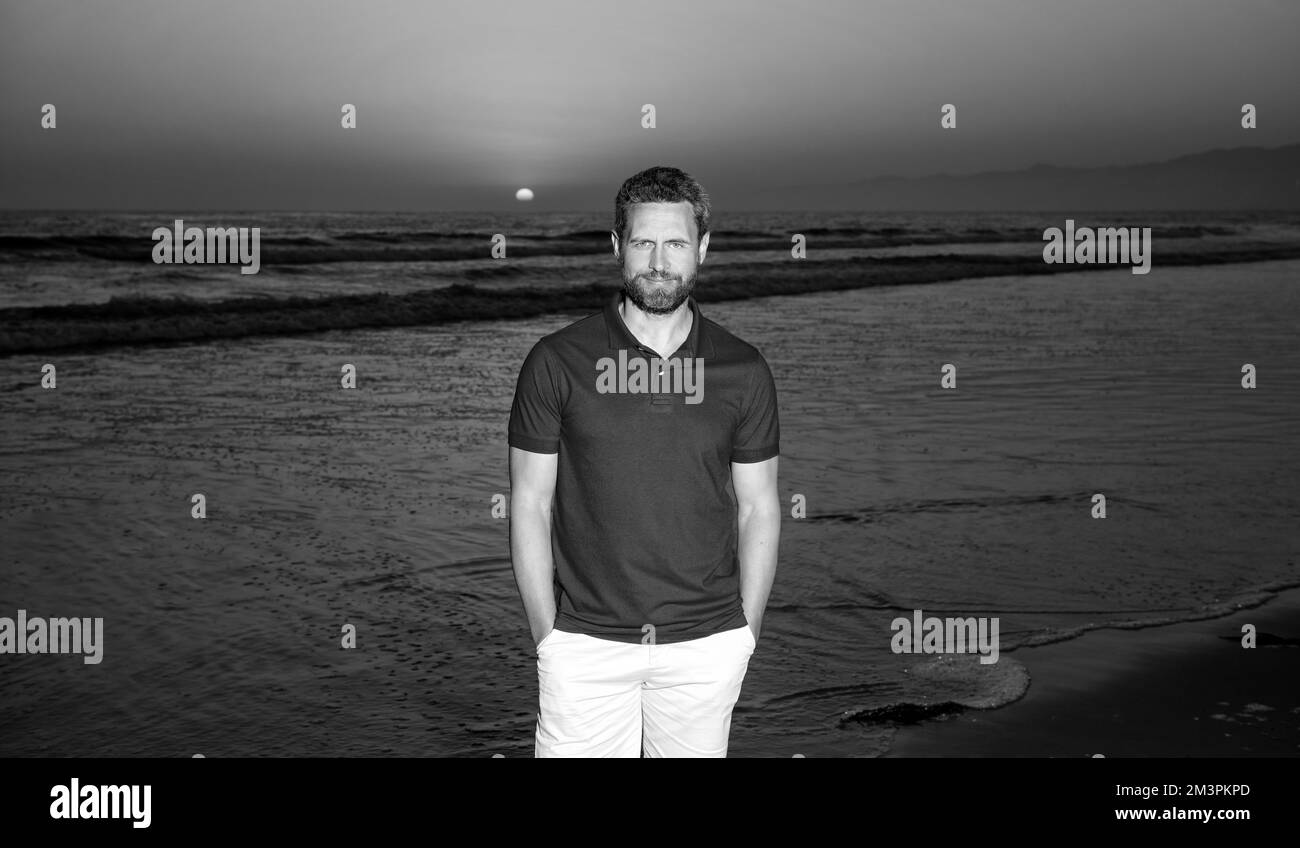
(613, 238)
(704, 248)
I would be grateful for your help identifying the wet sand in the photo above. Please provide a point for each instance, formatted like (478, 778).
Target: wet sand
(1182, 690)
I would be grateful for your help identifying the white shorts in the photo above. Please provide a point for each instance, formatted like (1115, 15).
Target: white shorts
(601, 698)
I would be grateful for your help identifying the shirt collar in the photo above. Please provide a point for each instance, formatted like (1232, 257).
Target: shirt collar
(697, 341)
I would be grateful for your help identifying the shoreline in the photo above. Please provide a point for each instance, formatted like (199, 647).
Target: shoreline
(136, 321)
(1180, 690)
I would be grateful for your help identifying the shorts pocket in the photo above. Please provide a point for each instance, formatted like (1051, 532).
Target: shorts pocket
(747, 637)
(546, 639)
(749, 631)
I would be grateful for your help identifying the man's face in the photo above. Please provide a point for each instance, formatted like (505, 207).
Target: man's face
(661, 255)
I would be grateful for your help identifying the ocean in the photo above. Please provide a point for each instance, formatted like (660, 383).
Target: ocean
(373, 507)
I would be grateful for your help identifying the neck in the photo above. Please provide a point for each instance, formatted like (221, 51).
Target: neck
(661, 333)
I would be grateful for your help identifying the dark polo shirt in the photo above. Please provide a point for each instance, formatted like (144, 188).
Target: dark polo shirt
(644, 512)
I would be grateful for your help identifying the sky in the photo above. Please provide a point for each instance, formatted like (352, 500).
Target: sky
(237, 105)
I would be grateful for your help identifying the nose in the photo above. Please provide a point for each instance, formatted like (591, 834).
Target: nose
(657, 259)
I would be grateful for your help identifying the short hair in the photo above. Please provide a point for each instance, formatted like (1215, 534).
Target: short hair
(661, 184)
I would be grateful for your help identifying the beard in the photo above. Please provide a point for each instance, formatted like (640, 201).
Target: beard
(658, 298)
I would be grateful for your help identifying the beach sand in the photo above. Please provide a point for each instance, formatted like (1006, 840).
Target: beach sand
(1184, 690)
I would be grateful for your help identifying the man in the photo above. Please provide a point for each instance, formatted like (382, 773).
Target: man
(643, 581)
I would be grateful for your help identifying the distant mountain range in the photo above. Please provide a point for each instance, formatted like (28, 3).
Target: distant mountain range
(1236, 178)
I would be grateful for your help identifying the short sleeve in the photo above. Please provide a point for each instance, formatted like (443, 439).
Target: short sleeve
(535, 413)
(758, 434)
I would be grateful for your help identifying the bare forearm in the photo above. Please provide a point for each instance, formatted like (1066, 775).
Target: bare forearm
(760, 534)
(530, 554)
